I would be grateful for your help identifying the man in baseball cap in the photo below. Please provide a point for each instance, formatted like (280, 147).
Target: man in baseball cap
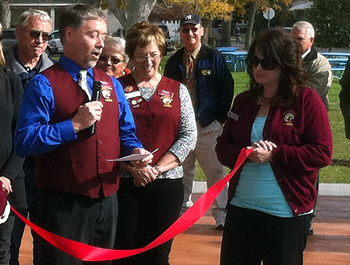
(204, 71)
(191, 19)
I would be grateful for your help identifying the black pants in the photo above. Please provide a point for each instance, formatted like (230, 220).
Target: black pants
(19, 225)
(251, 237)
(5, 239)
(77, 217)
(144, 214)
(16, 236)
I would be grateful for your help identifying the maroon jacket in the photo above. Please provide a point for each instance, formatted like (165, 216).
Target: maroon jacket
(303, 135)
(80, 166)
(3, 200)
(158, 120)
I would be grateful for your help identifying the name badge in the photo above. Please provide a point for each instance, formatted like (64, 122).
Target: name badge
(232, 115)
(133, 94)
(206, 72)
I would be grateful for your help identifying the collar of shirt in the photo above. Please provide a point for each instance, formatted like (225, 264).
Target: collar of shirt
(194, 53)
(306, 53)
(32, 71)
(73, 69)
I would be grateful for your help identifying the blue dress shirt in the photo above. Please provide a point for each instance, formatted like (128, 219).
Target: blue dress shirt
(36, 135)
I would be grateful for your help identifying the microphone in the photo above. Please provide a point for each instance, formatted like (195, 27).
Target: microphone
(96, 94)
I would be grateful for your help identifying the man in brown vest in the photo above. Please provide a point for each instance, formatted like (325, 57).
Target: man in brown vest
(76, 182)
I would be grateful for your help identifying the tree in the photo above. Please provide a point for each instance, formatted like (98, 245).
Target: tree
(5, 13)
(208, 10)
(331, 22)
(226, 33)
(215, 9)
(129, 12)
(252, 7)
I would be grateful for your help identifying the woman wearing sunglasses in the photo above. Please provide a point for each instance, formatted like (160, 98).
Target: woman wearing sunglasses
(113, 60)
(286, 125)
(150, 199)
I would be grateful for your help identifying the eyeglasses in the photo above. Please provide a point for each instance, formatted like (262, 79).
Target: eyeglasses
(1, 36)
(266, 64)
(187, 30)
(106, 58)
(35, 34)
(143, 58)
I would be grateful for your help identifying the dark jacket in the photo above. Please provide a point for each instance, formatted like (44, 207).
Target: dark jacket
(13, 63)
(214, 83)
(344, 97)
(304, 142)
(10, 100)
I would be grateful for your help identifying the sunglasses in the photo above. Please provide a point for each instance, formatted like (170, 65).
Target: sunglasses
(1, 36)
(35, 34)
(187, 30)
(266, 64)
(106, 58)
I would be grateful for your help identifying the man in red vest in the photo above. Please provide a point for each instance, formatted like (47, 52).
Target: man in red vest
(76, 180)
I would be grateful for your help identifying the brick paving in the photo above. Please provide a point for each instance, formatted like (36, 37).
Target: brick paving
(200, 244)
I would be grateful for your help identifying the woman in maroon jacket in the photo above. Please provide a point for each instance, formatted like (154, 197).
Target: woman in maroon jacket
(287, 126)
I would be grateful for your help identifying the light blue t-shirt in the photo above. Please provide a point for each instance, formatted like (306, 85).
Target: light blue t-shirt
(257, 187)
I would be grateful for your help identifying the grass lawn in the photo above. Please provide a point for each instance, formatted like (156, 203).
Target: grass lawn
(332, 173)
(335, 173)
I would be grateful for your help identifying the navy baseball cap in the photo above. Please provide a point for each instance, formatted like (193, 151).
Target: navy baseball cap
(191, 19)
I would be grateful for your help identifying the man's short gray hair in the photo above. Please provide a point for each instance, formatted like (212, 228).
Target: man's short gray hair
(304, 25)
(24, 17)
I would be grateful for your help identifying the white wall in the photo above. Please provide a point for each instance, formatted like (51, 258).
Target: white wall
(174, 33)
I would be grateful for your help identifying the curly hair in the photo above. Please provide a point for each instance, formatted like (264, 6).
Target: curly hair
(278, 46)
(141, 34)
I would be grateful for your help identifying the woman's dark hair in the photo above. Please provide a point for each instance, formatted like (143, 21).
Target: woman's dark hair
(278, 46)
(141, 34)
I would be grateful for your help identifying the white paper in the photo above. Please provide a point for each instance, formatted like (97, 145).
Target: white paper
(132, 157)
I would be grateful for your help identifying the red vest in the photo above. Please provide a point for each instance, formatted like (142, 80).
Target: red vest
(80, 166)
(157, 121)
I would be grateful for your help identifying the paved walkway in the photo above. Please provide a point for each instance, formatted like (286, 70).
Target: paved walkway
(200, 244)
(330, 245)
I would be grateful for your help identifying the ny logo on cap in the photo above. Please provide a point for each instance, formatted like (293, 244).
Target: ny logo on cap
(189, 17)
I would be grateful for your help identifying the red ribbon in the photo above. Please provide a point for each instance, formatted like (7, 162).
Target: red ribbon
(90, 253)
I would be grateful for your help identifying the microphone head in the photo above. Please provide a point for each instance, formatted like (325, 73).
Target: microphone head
(96, 90)
(97, 85)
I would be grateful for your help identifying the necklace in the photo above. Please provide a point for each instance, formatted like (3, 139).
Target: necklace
(264, 101)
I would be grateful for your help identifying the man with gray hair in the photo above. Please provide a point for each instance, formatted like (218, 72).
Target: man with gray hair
(27, 59)
(315, 65)
(318, 70)
(33, 32)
